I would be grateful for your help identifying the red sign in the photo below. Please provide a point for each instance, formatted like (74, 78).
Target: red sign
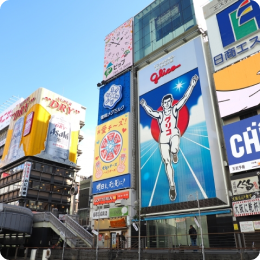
(4, 174)
(162, 72)
(110, 198)
(28, 124)
(118, 223)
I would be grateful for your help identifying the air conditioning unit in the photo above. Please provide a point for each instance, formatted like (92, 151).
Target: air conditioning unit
(119, 203)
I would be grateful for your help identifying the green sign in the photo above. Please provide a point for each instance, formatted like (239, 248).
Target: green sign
(118, 212)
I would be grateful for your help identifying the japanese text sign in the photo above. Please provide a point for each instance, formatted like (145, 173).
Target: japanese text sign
(246, 207)
(118, 50)
(242, 141)
(25, 179)
(245, 185)
(111, 149)
(102, 213)
(114, 98)
(118, 223)
(234, 33)
(110, 198)
(111, 184)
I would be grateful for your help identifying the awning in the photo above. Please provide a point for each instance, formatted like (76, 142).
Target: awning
(189, 215)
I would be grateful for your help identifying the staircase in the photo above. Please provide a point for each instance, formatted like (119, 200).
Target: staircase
(74, 234)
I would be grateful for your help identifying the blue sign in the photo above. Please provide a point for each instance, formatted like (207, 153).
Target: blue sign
(238, 21)
(114, 98)
(112, 184)
(242, 140)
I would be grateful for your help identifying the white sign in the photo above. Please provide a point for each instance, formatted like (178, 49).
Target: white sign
(94, 232)
(257, 225)
(231, 38)
(247, 226)
(246, 207)
(135, 227)
(245, 185)
(102, 213)
(118, 50)
(5, 117)
(2, 142)
(25, 179)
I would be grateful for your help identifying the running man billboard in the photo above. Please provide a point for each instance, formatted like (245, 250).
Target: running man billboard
(179, 151)
(44, 125)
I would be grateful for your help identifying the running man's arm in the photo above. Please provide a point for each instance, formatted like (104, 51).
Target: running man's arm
(187, 94)
(149, 110)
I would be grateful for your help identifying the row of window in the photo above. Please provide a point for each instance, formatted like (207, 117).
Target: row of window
(10, 188)
(48, 187)
(44, 206)
(3, 135)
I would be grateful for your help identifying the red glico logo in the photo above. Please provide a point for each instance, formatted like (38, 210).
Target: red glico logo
(162, 72)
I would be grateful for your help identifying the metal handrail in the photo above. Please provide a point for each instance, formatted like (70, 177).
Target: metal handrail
(49, 217)
(83, 233)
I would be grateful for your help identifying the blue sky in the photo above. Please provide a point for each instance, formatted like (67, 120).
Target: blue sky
(59, 45)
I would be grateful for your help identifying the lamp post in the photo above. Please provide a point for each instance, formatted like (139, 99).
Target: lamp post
(202, 243)
(137, 204)
(96, 208)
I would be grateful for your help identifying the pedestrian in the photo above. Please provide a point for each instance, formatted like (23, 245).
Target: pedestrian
(193, 235)
(122, 241)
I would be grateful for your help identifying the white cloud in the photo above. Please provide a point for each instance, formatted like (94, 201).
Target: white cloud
(86, 159)
(145, 134)
(197, 113)
(2, 1)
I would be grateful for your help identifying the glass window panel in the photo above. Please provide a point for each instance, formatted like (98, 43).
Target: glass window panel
(42, 206)
(186, 3)
(35, 185)
(57, 189)
(164, 6)
(187, 14)
(32, 204)
(45, 187)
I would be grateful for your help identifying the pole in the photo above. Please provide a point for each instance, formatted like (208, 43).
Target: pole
(202, 243)
(139, 231)
(97, 235)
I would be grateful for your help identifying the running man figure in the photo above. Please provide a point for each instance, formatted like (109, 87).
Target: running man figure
(169, 139)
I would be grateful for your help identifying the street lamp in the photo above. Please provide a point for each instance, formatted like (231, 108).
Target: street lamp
(137, 204)
(96, 208)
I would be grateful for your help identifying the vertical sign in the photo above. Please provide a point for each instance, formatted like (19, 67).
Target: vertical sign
(25, 179)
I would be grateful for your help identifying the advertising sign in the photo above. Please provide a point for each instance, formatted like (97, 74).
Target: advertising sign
(110, 198)
(238, 86)
(111, 155)
(234, 32)
(118, 212)
(25, 179)
(44, 125)
(246, 207)
(102, 213)
(118, 50)
(247, 196)
(118, 223)
(257, 225)
(114, 98)
(245, 185)
(246, 226)
(111, 184)
(5, 117)
(243, 144)
(175, 117)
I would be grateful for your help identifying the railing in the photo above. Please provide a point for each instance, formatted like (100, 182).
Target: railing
(49, 217)
(83, 234)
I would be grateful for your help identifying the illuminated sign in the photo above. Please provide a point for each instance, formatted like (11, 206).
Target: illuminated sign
(110, 198)
(242, 141)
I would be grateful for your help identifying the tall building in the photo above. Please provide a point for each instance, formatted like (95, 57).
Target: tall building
(40, 154)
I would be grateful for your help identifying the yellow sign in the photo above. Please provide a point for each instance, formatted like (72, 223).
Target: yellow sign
(236, 226)
(111, 148)
(44, 125)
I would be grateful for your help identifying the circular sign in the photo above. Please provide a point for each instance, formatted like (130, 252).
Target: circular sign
(182, 124)
(111, 146)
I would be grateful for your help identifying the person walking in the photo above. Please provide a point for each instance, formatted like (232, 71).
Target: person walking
(193, 235)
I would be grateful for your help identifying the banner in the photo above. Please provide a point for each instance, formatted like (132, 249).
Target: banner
(118, 50)
(44, 125)
(118, 212)
(25, 179)
(111, 184)
(242, 141)
(111, 156)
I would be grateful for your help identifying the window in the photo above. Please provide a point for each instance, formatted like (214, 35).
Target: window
(32, 205)
(42, 206)
(44, 187)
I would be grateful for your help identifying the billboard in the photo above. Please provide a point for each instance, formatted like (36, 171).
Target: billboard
(5, 117)
(179, 151)
(242, 141)
(111, 157)
(118, 50)
(110, 198)
(44, 125)
(115, 183)
(233, 31)
(238, 86)
(114, 98)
